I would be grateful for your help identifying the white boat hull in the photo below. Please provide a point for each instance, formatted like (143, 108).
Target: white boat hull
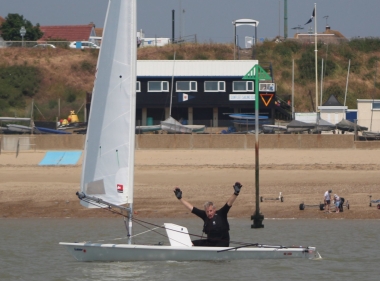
(125, 252)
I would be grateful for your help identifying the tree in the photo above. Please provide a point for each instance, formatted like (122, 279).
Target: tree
(10, 29)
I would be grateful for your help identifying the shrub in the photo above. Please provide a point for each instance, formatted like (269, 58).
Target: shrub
(18, 82)
(366, 45)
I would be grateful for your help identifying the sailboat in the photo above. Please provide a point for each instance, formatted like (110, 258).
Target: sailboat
(108, 169)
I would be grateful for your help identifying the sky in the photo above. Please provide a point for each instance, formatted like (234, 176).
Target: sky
(211, 20)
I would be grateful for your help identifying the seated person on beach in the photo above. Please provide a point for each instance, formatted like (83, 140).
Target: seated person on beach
(216, 225)
(327, 200)
(336, 203)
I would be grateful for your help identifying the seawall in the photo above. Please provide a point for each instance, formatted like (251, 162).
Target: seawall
(193, 141)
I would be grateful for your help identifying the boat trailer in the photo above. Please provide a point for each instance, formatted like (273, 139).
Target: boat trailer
(321, 206)
(280, 198)
(374, 201)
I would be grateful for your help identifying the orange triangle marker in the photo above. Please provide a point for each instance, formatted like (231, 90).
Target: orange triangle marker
(266, 98)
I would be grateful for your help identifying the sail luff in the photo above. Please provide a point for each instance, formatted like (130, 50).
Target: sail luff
(108, 167)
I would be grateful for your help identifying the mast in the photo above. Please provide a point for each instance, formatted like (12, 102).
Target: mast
(171, 90)
(316, 58)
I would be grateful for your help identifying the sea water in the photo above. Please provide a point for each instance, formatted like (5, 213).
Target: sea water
(350, 250)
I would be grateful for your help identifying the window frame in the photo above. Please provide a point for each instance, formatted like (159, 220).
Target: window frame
(162, 84)
(138, 86)
(246, 86)
(378, 105)
(191, 83)
(218, 83)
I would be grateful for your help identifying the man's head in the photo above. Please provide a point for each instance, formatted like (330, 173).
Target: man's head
(210, 209)
(330, 191)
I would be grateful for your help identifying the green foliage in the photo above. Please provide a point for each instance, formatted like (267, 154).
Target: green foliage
(88, 66)
(286, 75)
(71, 94)
(18, 82)
(346, 52)
(329, 68)
(53, 104)
(306, 66)
(287, 49)
(373, 61)
(10, 29)
(335, 90)
(200, 56)
(178, 56)
(366, 45)
(84, 66)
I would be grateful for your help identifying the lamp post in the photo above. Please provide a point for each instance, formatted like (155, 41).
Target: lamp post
(22, 33)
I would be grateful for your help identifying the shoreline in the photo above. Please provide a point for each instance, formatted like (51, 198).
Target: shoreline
(31, 191)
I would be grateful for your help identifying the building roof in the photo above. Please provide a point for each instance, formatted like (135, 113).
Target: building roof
(332, 101)
(194, 68)
(68, 32)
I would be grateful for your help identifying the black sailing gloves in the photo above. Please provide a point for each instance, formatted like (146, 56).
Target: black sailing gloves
(237, 187)
(178, 193)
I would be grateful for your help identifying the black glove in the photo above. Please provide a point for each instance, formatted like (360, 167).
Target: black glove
(178, 193)
(237, 187)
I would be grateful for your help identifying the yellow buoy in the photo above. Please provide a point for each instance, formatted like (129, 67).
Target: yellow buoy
(73, 118)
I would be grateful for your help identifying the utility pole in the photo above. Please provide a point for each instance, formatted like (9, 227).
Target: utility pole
(285, 19)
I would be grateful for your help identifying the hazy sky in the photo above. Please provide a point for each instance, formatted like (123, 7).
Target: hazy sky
(210, 20)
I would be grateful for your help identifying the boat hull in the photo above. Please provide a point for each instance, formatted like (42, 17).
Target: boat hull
(125, 252)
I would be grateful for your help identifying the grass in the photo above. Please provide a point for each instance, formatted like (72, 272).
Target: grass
(67, 74)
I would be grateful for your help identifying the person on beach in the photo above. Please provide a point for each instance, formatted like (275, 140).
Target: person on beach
(216, 225)
(336, 203)
(327, 201)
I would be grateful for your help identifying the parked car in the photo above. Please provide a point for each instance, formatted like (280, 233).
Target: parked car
(44, 46)
(84, 45)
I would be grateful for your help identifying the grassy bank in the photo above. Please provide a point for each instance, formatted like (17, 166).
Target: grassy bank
(59, 78)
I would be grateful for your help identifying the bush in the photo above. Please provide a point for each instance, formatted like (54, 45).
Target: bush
(18, 82)
(366, 45)
(373, 61)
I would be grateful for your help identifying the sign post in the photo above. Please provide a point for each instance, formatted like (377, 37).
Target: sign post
(256, 74)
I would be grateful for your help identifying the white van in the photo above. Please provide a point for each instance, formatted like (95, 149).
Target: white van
(83, 45)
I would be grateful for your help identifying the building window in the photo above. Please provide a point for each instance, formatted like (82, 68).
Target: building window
(158, 86)
(376, 105)
(138, 86)
(243, 86)
(186, 86)
(215, 86)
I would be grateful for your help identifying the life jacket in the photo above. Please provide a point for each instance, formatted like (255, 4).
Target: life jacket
(216, 226)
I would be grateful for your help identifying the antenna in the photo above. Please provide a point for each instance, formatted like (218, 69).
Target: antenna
(298, 28)
(326, 17)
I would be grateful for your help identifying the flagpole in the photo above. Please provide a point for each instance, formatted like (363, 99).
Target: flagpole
(316, 57)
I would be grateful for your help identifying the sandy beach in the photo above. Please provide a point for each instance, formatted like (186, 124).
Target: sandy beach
(302, 176)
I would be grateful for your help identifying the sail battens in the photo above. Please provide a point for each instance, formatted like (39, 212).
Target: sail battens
(112, 115)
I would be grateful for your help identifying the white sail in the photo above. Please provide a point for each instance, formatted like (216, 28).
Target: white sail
(109, 150)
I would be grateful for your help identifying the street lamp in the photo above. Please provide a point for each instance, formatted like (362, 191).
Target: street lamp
(22, 33)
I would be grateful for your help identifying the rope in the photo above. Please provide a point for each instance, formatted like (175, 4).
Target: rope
(141, 223)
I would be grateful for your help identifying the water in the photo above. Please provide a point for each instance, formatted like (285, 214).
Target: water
(29, 251)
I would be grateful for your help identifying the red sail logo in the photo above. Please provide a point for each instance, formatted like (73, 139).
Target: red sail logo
(120, 188)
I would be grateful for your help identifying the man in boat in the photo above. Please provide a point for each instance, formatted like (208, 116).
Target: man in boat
(216, 225)
(327, 200)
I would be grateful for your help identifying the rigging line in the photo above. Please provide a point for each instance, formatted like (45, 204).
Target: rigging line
(161, 233)
(195, 235)
(140, 222)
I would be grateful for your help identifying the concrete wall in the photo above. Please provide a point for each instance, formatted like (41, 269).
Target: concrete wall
(42, 142)
(195, 141)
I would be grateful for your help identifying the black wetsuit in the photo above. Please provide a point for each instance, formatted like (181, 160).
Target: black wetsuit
(216, 228)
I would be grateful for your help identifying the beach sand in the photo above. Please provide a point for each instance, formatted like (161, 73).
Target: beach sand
(30, 191)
